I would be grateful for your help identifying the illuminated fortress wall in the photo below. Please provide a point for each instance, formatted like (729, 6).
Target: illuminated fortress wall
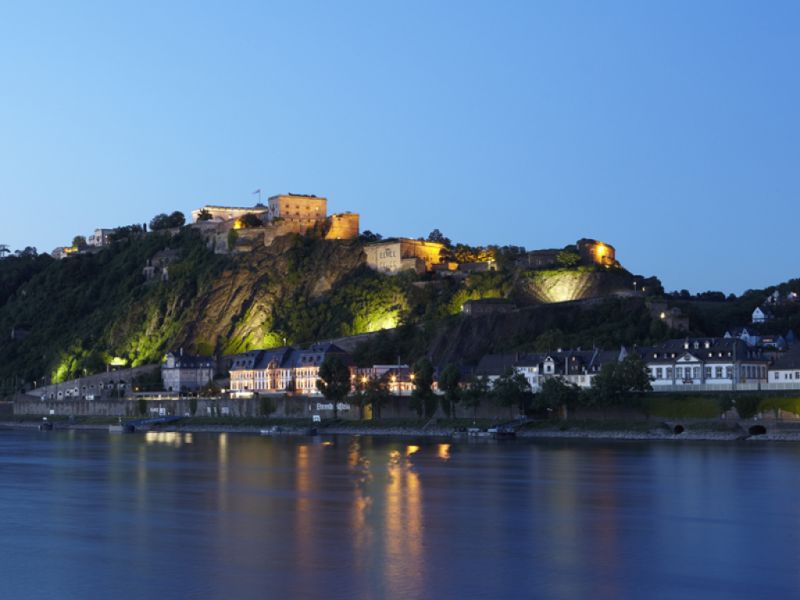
(226, 213)
(342, 227)
(594, 251)
(393, 256)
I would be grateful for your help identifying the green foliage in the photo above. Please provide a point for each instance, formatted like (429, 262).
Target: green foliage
(148, 382)
(233, 237)
(84, 310)
(423, 400)
(334, 380)
(556, 393)
(492, 284)
(449, 383)
(374, 392)
(250, 220)
(478, 390)
(617, 383)
(748, 406)
(568, 258)
(79, 242)
(673, 406)
(193, 405)
(165, 221)
(511, 390)
(204, 215)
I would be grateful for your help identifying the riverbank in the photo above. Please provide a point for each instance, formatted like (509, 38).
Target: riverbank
(596, 430)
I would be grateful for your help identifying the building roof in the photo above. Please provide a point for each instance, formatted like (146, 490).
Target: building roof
(565, 362)
(187, 361)
(218, 206)
(707, 348)
(789, 360)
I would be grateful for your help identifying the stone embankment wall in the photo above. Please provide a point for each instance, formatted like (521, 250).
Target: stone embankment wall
(280, 406)
(90, 385)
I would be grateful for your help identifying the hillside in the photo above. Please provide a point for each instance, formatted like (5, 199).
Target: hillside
(77, 315)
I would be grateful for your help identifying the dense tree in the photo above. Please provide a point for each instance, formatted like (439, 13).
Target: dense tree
(449, 383)
(438, 236)
(204, 215)
(4, 250)
(368, 236)
(334, 380)
(422, 398)
(511, 389)
(373, 392)
(79, 242)
(478, 390)
(556, 393)
(250, 220)
(568, 258)
(126, 233)
(617, 382)
(165, 221)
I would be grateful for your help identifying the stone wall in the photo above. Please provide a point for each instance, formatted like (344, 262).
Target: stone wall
(282, 407)
(393, 256)
(343, 227)
(89, 385)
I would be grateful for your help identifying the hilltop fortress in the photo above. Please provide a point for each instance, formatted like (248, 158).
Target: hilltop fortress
(243, 228)
(261, 224)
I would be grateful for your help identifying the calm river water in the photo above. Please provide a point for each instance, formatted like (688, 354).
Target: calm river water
(92, 515)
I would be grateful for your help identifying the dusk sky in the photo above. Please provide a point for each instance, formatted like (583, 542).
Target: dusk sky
(670, 130)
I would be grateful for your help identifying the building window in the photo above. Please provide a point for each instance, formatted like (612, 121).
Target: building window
(659, 373)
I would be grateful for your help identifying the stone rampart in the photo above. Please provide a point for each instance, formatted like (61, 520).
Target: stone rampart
(343, 227)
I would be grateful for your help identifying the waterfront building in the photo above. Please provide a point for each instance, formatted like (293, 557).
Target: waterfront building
(282, 370)
(786, 368)
(185, 373)
(577, 367)
(713, 360)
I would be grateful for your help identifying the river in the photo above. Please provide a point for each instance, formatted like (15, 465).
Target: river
(179, 515)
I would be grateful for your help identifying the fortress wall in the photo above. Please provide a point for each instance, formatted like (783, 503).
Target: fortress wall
(343, 227)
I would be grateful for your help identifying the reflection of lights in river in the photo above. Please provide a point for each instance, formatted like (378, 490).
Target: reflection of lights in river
(172, 438)
(404, 526)
(444, 451)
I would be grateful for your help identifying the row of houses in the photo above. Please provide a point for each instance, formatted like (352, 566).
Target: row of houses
(689, 363)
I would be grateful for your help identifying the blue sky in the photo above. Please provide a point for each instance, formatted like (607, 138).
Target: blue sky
(670, 130)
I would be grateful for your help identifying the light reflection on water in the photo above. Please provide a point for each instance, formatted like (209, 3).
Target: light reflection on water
(219, 516)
